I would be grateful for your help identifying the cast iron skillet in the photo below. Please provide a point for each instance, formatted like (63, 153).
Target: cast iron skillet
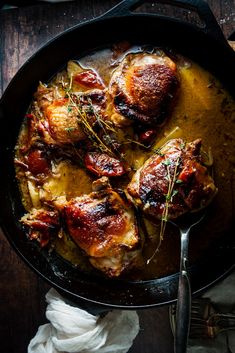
(209, 49)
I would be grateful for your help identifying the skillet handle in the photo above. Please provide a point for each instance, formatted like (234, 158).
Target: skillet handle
(211, 26)
(183, 309)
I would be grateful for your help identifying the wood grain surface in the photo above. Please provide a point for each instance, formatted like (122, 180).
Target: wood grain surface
(22, 304)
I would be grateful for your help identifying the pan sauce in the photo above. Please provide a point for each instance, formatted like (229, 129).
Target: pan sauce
(203, 110)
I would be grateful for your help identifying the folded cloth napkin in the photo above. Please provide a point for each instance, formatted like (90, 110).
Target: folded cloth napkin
(222, 296)
(72, 329)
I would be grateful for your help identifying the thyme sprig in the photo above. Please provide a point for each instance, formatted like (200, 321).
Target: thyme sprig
(88, 129)
(101, 122)
(148, 148)
(105, 127)
(136, 143)
(84, 120)
(171, 192)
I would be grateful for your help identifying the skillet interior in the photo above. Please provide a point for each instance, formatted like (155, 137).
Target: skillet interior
(214, 56)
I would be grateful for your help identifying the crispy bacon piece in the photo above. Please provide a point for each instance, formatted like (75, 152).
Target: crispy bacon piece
(104, 226)
(144, 87)
(37, 162)
(102, 164)
(42, 224)
(174, 177)
(89, 79)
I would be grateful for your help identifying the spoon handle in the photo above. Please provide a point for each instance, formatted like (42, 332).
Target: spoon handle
(183, 310)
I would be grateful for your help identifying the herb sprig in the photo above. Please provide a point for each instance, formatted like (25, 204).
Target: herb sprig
(83, 118)
(171, 192)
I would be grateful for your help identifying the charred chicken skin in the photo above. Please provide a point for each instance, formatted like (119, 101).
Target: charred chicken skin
(104, 226)
(143, 87)
(174, 178)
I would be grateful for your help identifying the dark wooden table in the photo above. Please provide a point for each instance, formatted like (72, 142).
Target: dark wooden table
(22, 303)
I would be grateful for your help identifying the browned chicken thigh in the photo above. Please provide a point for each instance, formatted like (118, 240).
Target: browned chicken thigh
(104, 226)
(101, 223)
(173, 178)
(64, 120)
(56, 118)
(144, 86)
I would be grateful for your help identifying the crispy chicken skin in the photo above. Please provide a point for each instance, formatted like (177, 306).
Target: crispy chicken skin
(104, 226)
(176, 177)
(57, 117)
(57, 121)
(63, 124)
(143, 87)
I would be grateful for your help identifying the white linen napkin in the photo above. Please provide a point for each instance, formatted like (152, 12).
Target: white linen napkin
(222, 296)
(74, 330)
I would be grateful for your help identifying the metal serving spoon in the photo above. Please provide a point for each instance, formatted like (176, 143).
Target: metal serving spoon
(183, 310)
